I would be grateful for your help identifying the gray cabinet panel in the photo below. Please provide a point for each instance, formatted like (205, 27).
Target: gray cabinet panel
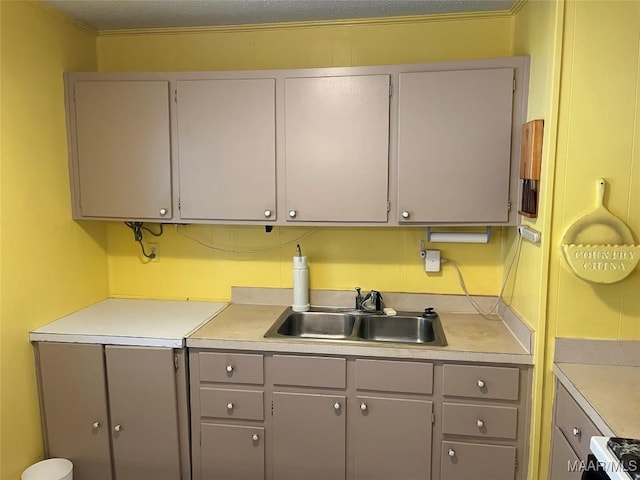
(309, 436)
(454, 145)
(144, 413)
(564, 462)
(309, 371)
(232, 452)
(392, 438)
(480, 420)
(337, 148)
(462, 461)
(74, 398)
(227, 149)
(231, 367)
(123, 149)
(394, 376)
(574, 423)
(232, 404)
(471, 381)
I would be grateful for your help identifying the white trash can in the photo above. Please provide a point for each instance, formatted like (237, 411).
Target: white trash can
(50, 469)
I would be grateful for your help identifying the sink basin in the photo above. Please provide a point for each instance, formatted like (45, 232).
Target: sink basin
(358, 326)
(403, 329)
(317, 325)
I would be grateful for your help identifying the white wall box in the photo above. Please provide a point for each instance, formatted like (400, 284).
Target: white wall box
(420, 144)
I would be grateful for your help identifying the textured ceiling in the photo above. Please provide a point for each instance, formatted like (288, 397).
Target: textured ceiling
(129, 14)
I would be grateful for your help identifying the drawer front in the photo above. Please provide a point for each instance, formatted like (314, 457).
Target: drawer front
(500, 383)
(394, 376)
(325, 372)
(574, 423)
(564, 462)
(480, 420)
(231, 368)
(227, 403)
(477, 461)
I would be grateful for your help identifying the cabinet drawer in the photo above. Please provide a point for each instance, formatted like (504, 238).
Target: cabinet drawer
(480, 420)
(394, 376)
(226, 403)
(574, 423)
(478, 461)
(563, 459)
(500, 383)
(231, 368)
(301, 371)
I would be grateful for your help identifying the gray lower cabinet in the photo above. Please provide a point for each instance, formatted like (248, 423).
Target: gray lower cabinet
(278, 416)
(391, 438)
(572, 432)
(309, 432)
(113, 410)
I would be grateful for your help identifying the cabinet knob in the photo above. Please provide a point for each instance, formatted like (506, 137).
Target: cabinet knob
(337, 406)
(163, 212)
(267, 213)
(96, 425)
(479, 423)
(480, 383)
(406, 215)
(117, 428)
(255, 437)
(229, 368)
(451, 452)
(292, 213)
(363, 406)
(576, 432)
(230, 406)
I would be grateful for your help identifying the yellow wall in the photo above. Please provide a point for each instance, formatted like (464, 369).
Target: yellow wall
(51, 265)
(385, 259)
(595, 97)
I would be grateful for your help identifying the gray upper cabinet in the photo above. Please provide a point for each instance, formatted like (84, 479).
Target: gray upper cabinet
(226, 139)
(454, 146)
(120, 149)
(337, 148)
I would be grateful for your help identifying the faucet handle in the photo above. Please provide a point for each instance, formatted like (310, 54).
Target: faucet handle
(358, 290)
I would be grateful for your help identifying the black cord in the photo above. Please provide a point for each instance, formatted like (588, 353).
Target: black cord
(137, 228)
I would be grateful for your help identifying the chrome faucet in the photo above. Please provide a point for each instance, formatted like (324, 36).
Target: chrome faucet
(373, 298)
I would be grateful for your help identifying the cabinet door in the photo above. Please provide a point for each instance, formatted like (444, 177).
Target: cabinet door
(74, 403)
(565, 464)
(144, 413)
(454, 146)
(308, 437)
(337, 148)
(123, 149)
(461, 461)
(392, 438)
(232, 452)
(226, 149)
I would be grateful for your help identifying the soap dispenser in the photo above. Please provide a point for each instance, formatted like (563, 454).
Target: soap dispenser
(300, 282)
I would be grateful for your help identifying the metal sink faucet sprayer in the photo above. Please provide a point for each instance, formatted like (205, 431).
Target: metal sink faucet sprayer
(373, 298)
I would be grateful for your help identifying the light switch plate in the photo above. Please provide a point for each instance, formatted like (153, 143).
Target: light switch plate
(432, 261)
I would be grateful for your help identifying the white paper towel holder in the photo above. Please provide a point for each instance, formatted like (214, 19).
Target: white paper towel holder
(459, 237)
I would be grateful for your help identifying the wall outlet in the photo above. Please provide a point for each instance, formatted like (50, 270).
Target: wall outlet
(432, 261)
(529, 234)
(153, 248)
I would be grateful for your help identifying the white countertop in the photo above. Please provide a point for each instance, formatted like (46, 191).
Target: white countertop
(154, 323)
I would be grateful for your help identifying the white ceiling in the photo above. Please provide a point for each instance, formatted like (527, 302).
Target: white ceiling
(130, 14)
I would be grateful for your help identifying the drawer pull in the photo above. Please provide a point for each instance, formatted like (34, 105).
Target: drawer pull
(96, 425)
(337, 406)
(576, 432)
(255, 437)
(363, 407)
(229, 368)
(480, 384)
(452, 452)
(117, 428)
(230, 406)
(479, 423)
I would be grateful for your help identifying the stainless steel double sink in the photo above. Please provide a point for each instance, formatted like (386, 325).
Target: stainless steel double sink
(359, 326)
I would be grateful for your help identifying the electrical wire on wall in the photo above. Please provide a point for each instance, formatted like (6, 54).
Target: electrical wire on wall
(137, 228)
(180, 230)
(446, 261)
